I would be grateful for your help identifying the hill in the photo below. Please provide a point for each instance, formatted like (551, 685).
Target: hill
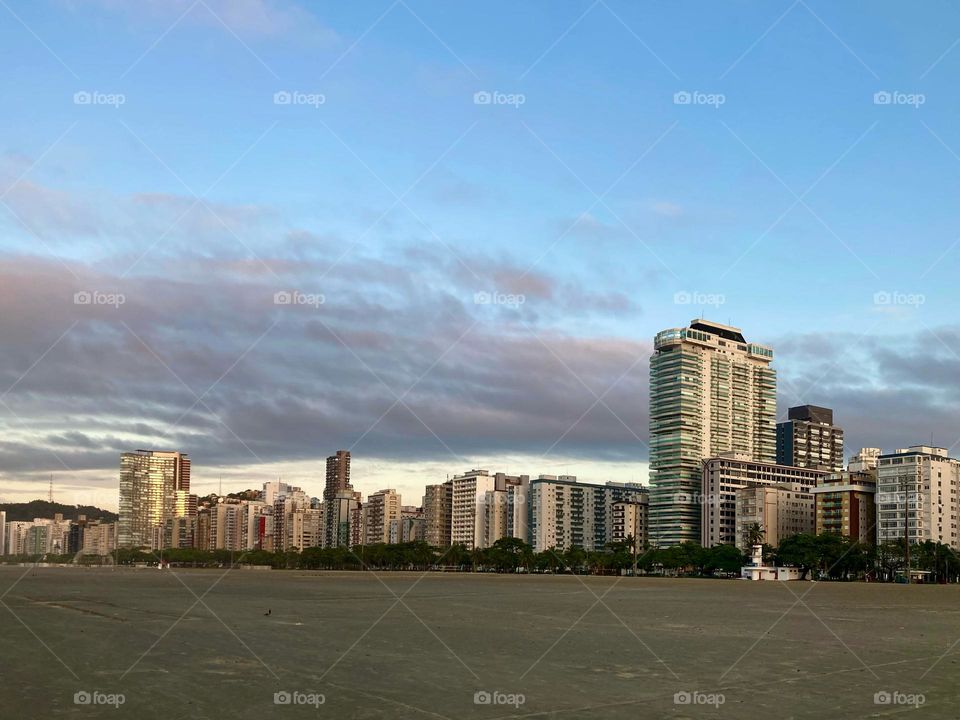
(45, 509)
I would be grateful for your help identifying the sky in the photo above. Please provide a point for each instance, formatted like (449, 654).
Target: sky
(443, 235)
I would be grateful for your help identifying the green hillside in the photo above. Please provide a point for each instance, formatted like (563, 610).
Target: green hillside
(45, 509)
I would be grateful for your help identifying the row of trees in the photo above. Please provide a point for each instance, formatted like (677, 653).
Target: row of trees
(819, 556)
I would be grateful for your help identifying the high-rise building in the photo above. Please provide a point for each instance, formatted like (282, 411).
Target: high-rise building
(304, 528)
(3, 532)
(338, 474)
(99, 538)
(710, 392)
(566, 513)
(437, 511)
(846, 504)
(918, 488)
(630, 520)
(780, 510)
(154, 490)
(485, 507)
(808, 438)
(343, 520)
(380, 510)
(729, 472)
(865, 460)
(274, 489)
(226, 525)
(283, 508)
(411, 526)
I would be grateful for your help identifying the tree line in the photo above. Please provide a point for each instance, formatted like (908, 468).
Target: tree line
(821, 557)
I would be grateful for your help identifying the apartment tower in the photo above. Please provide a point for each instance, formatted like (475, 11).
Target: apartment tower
(338, 474)
(808, 438)
(437, 511)
(154, 492)
(710, 392)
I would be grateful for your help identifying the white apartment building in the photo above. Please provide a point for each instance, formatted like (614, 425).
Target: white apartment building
(380, 511)
(99, 538)
(917, 487)
(275, 489)
(283, 507)
(305, 529)
(722, 476)
(630, 519)
(487, 507)
(710, 392)
(17, 536)
(564, 512)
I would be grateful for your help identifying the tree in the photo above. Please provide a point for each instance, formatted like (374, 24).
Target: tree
(800, 551)
(723, 558)
(755, 534)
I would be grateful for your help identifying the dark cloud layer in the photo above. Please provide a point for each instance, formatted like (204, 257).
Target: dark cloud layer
(412, 352)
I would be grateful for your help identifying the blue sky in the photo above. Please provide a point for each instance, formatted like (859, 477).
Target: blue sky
(794, 205)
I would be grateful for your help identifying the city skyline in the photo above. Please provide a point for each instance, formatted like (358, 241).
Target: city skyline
(539, 237)
(407, 358)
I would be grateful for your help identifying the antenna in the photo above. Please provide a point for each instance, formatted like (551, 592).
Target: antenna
(50, 492)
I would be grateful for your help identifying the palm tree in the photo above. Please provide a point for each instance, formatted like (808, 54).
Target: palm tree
(755, 534)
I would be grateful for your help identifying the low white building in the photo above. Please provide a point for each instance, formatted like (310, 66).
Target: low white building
(756, 570)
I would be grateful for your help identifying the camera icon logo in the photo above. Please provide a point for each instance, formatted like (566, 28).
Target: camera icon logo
(882, 98)
(82, 298)
(482, 97)
(882, 698)
(282, 297)
(482, 697)
(82, 698)
(682, 98)
(282, 698)
(682, 698)
(282, 97)
(82, 98)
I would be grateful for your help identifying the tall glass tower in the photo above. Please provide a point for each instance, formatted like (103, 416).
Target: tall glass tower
(154, 490)
(710, 392)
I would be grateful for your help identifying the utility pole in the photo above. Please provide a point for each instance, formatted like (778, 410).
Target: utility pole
(906, 526)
